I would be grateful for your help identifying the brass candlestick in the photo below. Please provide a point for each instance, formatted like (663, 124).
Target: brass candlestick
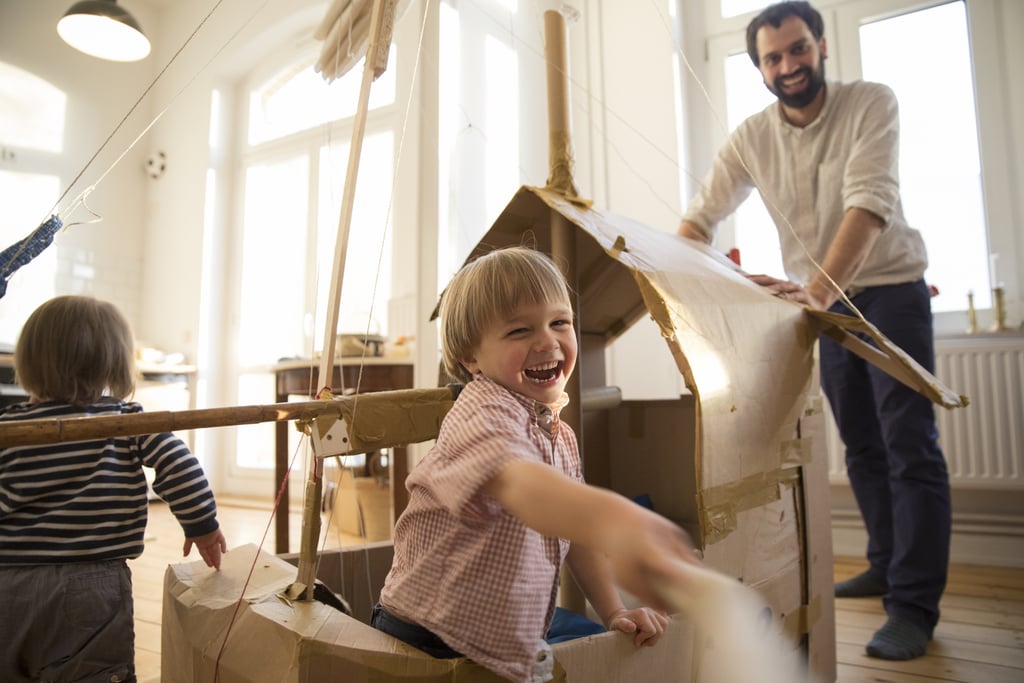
(999, 309)
(972, 316)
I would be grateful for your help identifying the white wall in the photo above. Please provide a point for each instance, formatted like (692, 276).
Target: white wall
(99, 95)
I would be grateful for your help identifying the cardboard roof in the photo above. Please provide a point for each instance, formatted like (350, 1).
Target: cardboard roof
(746, 355)
(628, 269)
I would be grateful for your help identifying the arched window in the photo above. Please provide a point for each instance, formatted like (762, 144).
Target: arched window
(293, 154)
(31, 140)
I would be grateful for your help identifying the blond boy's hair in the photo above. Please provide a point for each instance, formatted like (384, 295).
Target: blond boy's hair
(73, 349)
(490, 287)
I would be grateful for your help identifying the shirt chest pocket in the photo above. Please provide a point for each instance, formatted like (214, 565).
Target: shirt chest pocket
(827, 190)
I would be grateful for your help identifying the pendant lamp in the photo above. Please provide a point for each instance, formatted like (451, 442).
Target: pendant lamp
(103, 29)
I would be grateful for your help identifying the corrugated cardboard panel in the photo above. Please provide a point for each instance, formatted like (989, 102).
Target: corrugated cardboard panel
(819, 620)
(652, 446)
(731, 463)
(611, 657)
(276, 640)
(280, 641)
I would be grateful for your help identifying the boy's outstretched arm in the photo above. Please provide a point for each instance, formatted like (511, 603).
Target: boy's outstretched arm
(641, 547)
(210, 547)
(593, 573)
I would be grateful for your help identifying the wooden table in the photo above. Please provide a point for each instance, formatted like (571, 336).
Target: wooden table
(293, 378)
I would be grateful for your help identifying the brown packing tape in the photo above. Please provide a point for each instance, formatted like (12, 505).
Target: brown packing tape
(390, 418)
(795, 453)
(814, 405)
(723, 503)
(656, 306)
(801, 621)
(717, 524)
(561, 161)
(618, 247)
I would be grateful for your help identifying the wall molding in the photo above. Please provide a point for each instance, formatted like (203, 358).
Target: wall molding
(993, 540)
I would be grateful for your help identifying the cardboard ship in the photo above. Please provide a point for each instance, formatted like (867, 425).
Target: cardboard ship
(738, 460)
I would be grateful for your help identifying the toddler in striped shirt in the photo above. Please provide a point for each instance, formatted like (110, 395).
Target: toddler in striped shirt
(71, 514)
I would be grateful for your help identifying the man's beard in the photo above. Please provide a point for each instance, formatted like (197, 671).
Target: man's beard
(799, 100)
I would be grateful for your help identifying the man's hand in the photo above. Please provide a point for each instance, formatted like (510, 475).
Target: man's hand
(210, 547)
(784, 289)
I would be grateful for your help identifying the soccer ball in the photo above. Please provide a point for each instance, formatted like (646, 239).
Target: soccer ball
(156, 164)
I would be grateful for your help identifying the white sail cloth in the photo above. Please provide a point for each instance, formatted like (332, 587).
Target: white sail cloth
(345, 32)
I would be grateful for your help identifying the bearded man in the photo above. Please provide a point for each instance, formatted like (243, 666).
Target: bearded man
(824, 159)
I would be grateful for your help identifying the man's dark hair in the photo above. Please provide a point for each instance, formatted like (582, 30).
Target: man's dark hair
(773, 15)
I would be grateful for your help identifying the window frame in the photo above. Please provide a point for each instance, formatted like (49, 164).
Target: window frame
(240, 479)
(726, 35)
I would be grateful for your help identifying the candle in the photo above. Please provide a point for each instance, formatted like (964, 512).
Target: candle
(993, 260)
(972, 317)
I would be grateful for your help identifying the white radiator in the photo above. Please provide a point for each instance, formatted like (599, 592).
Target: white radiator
(984, 442)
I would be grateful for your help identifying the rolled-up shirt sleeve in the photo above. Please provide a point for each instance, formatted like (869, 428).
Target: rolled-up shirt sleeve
(871, 174)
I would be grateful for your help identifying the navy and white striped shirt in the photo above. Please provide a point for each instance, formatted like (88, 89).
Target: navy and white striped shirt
(87, 501)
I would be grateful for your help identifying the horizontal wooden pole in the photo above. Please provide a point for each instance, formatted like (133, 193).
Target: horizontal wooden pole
(63, 430)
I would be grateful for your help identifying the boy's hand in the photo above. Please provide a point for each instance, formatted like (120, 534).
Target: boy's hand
(210, 547)
(647, 624)
(645, 552)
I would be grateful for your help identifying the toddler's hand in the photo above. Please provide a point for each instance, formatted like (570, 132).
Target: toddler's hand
(210, 547)
(646, 623)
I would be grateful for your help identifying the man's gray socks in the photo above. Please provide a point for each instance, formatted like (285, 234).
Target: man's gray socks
(862, 586)
(898, 639)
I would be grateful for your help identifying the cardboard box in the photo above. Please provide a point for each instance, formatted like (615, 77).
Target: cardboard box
(727, 461)
(209, 633)
(359, 506)
(739, 461)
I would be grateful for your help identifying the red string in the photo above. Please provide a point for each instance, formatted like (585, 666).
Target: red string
(252, 568)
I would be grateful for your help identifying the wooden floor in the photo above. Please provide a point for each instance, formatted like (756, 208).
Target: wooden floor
(980, 638)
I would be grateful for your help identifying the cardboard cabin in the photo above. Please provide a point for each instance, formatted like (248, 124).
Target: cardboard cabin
(739, 461)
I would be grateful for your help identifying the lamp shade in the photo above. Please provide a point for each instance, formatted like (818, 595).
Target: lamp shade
(103, 29)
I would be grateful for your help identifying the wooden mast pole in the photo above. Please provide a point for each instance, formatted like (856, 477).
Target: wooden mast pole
(563, 236)
(308, 556)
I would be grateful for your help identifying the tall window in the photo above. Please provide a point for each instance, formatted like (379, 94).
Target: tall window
(756, 237)
(490, 119)
(31, 140)
(940, 168)
(294, 156)
(939, 157)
